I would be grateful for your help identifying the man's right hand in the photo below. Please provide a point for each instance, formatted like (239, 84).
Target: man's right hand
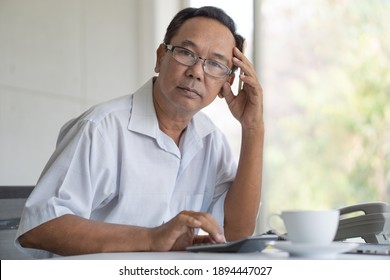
(179, 233)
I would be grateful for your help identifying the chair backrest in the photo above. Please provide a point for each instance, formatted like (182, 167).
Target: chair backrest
(12, 200)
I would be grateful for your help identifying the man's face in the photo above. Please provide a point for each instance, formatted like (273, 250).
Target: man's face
(188, 88)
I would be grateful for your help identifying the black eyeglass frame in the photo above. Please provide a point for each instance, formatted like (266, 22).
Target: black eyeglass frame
(197, 58)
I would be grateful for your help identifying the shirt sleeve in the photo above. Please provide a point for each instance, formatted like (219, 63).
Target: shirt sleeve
(69, 183)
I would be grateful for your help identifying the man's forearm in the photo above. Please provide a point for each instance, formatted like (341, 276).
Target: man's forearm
(243, 199)
(72, 235)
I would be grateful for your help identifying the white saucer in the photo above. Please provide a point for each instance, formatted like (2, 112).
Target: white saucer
(308, 250)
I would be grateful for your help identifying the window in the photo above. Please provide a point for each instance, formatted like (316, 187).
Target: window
(327, 83)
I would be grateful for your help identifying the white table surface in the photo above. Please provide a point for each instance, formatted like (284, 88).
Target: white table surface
(267, 254)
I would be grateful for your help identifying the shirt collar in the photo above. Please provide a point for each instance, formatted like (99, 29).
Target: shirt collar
(143, 116)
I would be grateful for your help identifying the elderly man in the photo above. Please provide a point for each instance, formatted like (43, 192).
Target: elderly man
(145, 171)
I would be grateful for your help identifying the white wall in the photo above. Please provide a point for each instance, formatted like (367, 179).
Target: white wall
(57, 58)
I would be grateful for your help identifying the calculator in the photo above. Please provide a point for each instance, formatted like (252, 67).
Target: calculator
(255, 243)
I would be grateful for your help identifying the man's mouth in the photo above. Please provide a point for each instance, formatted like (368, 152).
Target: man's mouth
(189, 91)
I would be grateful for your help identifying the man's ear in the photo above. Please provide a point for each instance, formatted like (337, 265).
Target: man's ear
(160, 52)
(230, 79)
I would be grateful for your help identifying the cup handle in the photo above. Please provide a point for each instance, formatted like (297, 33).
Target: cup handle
(270, 217)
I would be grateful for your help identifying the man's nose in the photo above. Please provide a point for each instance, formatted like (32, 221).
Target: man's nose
(196, 70)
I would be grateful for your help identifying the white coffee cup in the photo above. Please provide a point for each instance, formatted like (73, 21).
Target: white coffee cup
(315, 227)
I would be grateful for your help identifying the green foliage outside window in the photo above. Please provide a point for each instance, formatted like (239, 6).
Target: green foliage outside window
(331, 147)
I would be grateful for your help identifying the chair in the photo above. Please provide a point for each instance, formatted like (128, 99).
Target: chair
(12, 200)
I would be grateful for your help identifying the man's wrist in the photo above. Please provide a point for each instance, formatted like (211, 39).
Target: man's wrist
(255, 131)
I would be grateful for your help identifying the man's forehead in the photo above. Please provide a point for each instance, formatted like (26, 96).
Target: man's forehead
(205, 26)
(200, 31)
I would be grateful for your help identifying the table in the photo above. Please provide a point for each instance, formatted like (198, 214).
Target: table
(267, 254)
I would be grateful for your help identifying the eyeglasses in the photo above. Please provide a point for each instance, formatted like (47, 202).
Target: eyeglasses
(188, 58)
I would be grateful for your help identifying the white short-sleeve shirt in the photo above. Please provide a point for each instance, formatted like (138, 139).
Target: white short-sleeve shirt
(114, 164)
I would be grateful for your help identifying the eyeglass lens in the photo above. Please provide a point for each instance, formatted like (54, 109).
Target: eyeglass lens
(188, 58)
